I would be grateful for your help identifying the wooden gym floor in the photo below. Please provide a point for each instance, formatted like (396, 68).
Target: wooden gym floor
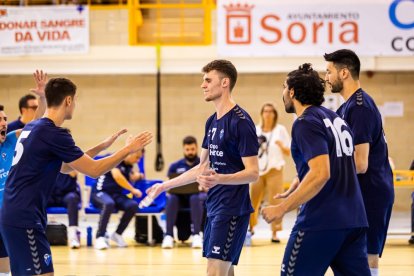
(262, 258)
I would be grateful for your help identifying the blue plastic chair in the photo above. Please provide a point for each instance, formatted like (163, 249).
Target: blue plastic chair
(156, 208)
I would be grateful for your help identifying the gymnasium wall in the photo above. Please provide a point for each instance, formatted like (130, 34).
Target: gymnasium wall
(109, 102)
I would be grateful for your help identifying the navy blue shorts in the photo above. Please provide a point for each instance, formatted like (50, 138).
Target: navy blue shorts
(29, 250)
(378, 221)
(312, 252)
(3, 252)
(224, 237)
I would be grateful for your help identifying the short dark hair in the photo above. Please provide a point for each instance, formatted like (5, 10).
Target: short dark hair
(189, 140)
(1, 107)
(23, 101)
(57, 90)
(308, 86)
(224, 67)
(345, 58)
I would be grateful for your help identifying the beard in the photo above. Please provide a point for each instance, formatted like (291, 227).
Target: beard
(337, 86)
(190, 157)
(289, 107)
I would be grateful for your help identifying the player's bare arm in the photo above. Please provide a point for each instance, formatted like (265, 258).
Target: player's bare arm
(293, 186)
(95, 168)
(311, 185)
(248, 175)
(92, 152)
(189, 176)
(41, 80)
(361, 158)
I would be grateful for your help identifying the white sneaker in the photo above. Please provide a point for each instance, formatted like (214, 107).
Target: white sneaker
(100, 243)
(119, 240)
(74, 243)
(197, 241)
(73, 237)
(107, 238)
(167, 242)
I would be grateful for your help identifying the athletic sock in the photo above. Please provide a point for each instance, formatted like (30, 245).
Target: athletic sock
(374, 271)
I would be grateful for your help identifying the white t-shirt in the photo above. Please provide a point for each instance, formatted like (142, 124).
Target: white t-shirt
(270, 154)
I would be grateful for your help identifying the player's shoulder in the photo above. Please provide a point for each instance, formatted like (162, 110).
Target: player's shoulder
(361, 100)
(239, 113)
(11, 136)
(240, 116)
(314, 116)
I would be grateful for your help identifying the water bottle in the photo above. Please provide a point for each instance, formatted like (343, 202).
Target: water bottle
(145, 202)
(89, 236)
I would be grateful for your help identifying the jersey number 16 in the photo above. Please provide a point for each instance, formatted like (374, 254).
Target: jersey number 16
(343, 139)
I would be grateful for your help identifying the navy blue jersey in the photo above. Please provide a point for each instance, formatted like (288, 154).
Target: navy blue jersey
(15, 125)
(228, 139)
(339, 204)
(65, 184)
(364, 119)
(39, 153)
(181, 166)
(106, 183)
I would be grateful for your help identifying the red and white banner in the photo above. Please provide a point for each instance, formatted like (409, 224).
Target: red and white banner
(302, 28)
(42, 30)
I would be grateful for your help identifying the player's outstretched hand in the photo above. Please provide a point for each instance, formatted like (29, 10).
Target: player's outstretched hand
(111, 139)
(208, 179)
(272, 213)
(155, 190)
(292, 188)
(139, 141)
(41, 80)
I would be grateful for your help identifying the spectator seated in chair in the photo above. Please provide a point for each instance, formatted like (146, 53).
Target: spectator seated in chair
(66, 193)
(188, 196)
(108, 194)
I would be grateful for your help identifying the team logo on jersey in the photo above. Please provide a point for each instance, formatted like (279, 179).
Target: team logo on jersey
(181, 170)
(3, 155)
(48, 259)
(221, 134)
(216, 250)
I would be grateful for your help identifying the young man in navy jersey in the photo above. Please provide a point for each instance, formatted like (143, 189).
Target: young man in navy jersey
(228, 162)
(331, 224)
(8, 140)
(371, 151)
(40, 150)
